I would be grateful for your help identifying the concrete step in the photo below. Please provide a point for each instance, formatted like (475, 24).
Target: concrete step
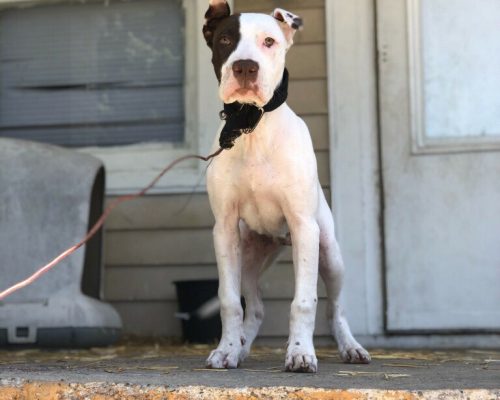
(105, 391)
(149, 371)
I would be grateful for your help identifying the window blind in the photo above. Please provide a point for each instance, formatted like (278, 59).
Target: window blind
(93, 74)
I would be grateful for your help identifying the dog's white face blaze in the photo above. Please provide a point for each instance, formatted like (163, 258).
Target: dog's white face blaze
(254, 29)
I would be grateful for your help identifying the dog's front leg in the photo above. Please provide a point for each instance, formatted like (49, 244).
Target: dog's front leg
(228, 254)
(300, 355)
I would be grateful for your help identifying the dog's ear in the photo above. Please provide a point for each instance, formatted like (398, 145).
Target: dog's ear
(289, 23)
(217, 11)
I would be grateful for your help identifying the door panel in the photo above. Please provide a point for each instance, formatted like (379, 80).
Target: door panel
(441, 193)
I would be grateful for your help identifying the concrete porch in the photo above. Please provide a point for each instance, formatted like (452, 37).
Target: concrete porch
(168, 371)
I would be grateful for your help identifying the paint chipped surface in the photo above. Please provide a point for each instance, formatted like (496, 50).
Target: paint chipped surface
(166, 370)
(101, 391)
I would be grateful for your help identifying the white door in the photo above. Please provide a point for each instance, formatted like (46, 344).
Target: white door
(439, 70)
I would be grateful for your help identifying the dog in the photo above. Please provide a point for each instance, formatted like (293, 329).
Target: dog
(265, 191)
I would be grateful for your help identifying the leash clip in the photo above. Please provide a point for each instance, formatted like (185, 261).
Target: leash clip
(222, 115)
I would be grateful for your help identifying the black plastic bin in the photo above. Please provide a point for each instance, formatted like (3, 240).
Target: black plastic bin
(191, 296)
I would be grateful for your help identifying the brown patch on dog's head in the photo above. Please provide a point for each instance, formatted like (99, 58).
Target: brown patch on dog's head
(222, 33)
(217, 11)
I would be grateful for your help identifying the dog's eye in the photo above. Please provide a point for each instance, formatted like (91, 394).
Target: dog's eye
(224, 40)
(268, 41)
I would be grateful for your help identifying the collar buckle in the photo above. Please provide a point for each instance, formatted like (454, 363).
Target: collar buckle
(248, 130)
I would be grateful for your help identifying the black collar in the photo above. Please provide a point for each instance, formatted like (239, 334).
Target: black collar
(244, 118)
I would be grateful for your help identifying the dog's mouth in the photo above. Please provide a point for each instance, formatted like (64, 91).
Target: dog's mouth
(250, 94)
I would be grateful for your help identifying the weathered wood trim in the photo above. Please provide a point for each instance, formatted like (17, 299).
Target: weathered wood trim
(159, 247)
(162, 212)
(164, 323)
(188, 247)
(166, 213)
(155, 283)
(308, 97)
(354, 160)
(314, 26)
(307, 61)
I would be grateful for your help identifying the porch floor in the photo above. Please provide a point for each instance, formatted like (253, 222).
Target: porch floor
(166, 371)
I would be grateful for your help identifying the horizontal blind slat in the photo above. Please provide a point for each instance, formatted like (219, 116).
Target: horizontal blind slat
(80, 106)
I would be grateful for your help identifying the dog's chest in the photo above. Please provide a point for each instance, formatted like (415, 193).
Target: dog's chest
(259, 185)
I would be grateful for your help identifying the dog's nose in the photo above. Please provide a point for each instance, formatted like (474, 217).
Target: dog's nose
(245, 70)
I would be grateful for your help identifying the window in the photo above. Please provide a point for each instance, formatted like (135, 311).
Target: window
(454, 58)
(117, 79)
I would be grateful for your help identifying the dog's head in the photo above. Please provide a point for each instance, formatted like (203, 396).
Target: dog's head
(248, 51)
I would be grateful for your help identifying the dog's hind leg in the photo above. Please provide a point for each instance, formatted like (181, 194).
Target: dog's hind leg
(331, 269)
(258, 253)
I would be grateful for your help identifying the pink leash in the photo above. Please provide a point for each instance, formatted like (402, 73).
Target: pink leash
(46, 268)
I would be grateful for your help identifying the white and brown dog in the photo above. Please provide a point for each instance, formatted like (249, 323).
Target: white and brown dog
(265, 188)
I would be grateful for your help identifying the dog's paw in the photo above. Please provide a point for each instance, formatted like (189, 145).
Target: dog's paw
(355, 354)
(222, 358)
(300, 359)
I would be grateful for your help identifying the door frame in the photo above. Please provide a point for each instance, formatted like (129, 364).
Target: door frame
(354, 158)
(356, 178)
